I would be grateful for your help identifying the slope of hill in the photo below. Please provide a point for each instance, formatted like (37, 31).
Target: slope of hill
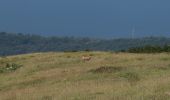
(12, 44)
(64, 76)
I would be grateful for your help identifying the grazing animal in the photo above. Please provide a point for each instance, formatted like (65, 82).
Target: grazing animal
(86, 58)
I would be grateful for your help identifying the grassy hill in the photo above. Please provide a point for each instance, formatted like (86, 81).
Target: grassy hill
(64, 76)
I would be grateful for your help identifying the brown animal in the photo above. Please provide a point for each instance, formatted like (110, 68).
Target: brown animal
(86, 58)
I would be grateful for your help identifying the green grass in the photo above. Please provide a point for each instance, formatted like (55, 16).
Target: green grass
(64, 76)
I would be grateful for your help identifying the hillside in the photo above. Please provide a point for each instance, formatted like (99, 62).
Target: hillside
(12, 44)
(64, 76)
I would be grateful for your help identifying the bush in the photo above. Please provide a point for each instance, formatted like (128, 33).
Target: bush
(9, 67)
(87, 50)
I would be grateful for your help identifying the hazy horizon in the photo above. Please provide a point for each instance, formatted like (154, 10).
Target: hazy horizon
(89, 18)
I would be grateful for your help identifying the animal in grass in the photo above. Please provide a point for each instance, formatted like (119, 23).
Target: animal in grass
(86, 58)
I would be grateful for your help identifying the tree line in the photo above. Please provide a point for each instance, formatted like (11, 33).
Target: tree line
(19, 43)
(150, 49)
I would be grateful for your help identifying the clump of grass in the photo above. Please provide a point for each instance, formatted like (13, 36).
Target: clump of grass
(165, 59)
(131, 76)
(68, 56)
(31, 82)
(32, 56)
(91, 54)
(164, 68)
(47, 98)
(9, 67)
(140, 59)
(107, 69)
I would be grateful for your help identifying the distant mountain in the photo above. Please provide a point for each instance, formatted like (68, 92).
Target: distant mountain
(12, 44)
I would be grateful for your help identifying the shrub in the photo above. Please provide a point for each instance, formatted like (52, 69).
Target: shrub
(87, 50)
(9, 67)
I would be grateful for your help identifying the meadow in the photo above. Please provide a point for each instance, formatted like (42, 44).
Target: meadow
(65, 76)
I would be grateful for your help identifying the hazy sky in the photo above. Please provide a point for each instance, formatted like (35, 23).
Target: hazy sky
(96, 18)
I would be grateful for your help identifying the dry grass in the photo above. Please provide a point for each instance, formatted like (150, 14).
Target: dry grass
(108, 76)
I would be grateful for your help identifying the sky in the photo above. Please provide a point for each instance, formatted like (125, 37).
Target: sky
(86, 18)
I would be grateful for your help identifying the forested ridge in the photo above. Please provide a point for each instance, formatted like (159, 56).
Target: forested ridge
(12, 44)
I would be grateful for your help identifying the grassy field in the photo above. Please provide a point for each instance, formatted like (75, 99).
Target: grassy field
(64, 76)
